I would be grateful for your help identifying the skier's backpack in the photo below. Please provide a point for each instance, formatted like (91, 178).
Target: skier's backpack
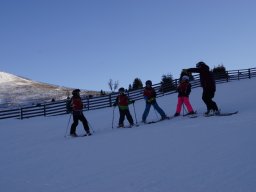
(68, 106)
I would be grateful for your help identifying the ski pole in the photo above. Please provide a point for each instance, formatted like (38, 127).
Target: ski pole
(135, 113)
(184, 109)
(113, 118)
(156, 113)
(68, 125)
(90, 126)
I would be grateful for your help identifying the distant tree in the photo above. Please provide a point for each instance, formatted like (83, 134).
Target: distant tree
(110, 84)
(220, 72)
(116, 84)
(167, 84)
(137, 84)
(130, 87)
(113, 85)
(102, 92)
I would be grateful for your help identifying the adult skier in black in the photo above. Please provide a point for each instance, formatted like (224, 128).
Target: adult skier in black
(208, 84)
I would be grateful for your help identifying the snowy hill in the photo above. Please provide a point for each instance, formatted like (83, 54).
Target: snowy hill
(6, 77)
(204, 154)
(18, 91)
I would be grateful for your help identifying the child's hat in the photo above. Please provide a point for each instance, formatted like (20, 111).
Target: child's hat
(121, 89)
(185, 78)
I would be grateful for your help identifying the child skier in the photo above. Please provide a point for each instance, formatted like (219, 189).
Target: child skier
(122, 101)
(77, 110)
(184, 90)
(150, 98)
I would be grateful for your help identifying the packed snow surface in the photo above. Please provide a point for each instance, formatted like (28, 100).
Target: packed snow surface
(203, 154)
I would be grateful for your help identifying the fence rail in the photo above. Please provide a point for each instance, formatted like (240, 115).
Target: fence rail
(59, 107)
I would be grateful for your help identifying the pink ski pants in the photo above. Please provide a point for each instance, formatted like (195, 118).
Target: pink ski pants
(186, 101)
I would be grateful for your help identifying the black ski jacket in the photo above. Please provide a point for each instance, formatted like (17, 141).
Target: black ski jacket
(206, 78)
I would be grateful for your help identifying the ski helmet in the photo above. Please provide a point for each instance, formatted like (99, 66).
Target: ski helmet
(75, 91)
(199, 64)
(149, 82)
(121, 89)
(185, 78)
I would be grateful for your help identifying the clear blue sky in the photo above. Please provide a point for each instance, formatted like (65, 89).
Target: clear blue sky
(84, 43)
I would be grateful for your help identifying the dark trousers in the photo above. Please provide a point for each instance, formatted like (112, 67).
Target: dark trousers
(207, 98)
(123, 113)
(78, 115)
(156, 107)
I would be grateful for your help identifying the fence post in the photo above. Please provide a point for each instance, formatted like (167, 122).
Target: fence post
(238, 77)
(110, 100)
(44, 109)
(88, 103)
(176, 83)
(249, 73)
(21, 113)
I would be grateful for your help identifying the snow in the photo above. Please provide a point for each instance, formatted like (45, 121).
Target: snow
(19, 91)
(180, 155)
(7, 77)
(4, 77)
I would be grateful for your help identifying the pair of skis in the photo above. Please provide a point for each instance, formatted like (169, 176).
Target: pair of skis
(195, 115)
(85, 135)
(213, 114)
(144, 123)
(166, 118)
(209, 115)
(128, 126)
(222, 114)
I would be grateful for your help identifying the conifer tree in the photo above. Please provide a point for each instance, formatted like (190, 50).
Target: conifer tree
(167, 83)
(220, 72)
(137, 84)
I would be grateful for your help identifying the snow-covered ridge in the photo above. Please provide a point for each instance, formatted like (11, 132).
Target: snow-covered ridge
(7, 77)
(19, 91)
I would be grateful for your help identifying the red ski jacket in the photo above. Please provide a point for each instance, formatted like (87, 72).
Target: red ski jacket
(184, 89)
(149, 94)
(77, 104)
(122, 101)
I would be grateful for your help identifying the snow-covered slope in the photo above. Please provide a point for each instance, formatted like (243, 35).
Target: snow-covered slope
(7, 77)
(180, 155)
(18, 91)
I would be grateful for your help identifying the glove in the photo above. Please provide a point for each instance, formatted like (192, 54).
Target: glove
(151, 100)
(184, 71)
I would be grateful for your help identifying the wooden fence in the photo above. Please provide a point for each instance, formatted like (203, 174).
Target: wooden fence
(59, 107)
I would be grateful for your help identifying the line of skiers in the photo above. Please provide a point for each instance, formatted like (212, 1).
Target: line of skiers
(122, 100)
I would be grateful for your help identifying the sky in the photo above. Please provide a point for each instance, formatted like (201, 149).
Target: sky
(203, 154)
(85, 43)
